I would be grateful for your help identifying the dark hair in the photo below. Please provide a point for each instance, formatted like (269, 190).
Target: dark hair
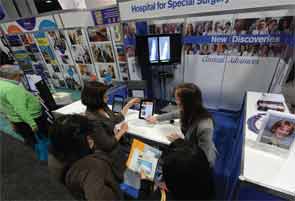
(192, 111)
(93, 95)
(187, 170)
(68, 136)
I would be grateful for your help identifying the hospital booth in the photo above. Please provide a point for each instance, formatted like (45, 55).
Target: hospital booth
(240, 53)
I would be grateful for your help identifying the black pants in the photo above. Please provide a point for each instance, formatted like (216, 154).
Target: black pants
(27, 133)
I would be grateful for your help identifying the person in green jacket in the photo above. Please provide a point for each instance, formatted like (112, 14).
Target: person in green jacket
(21, 108)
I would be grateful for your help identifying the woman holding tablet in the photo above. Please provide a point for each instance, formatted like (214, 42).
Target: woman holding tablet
(196, 122)
(94, 97)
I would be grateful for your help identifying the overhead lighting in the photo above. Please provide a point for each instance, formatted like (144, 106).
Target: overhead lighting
(48, 1)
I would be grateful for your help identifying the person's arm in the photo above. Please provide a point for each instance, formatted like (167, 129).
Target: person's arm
(164, 117)
(17, 98)
(121, 131)
(204, 138)
(131, 103)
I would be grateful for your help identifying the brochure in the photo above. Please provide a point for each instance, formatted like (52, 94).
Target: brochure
(143, 159)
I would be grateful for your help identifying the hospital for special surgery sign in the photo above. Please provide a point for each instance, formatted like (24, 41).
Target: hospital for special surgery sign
(144, 9)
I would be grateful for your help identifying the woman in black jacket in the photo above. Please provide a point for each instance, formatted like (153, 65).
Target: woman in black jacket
(108, 133)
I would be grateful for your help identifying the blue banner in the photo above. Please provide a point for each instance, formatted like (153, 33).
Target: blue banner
(241, 39)
(28, 23)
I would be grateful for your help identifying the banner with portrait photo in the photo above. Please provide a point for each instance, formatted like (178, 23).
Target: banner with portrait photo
(61, 47)
(71, 76)
(59, 43)
(173, 26)
(258, 42)
(81, 55)
(53, 69)
(107, 72)
(206, 57)
(103, 53)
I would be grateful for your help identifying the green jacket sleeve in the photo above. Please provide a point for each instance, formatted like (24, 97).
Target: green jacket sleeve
(18, 99)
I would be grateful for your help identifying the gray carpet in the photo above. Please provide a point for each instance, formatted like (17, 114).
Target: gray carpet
(23, 177)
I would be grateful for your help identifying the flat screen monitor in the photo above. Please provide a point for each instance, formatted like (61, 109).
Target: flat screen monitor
(164, 49)
(153, 49)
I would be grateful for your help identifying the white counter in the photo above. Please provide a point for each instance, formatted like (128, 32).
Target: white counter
(157, 133)
(260, 167)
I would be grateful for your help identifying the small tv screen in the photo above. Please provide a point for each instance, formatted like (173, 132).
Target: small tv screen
(153, 49)
(164, 49)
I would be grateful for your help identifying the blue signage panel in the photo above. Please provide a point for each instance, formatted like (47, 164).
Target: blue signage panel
(2, 13)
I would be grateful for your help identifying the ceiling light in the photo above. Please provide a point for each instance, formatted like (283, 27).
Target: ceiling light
(48, 1)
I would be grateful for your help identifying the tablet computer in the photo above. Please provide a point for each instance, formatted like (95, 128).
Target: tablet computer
(146, 109)
(118, 103)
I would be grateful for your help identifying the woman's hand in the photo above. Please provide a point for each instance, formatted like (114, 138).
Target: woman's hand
(131, 103)
(124, 127)
(121, 131)
(172, 137)
(152, 119)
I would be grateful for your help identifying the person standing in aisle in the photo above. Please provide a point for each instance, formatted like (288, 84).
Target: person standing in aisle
(22, 109)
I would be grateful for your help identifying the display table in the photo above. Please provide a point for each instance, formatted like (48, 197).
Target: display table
(269, 172)
(156, 133)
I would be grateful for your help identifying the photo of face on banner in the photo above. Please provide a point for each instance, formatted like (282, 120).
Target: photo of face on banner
(204, 28)
(219, 49)
(129, 31)
(81, 54)
(263, 26)
(103, 53)
(192, 49)
(98, 34)
(76, 36)
(166, 28)
(278, 130)
(87, 72)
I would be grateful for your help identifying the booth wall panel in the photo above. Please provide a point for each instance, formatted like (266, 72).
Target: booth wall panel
(244, 77)
(207, 77)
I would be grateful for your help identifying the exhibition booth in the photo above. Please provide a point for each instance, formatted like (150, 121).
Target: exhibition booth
(240, 53)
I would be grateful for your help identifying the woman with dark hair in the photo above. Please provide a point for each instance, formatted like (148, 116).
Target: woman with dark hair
(88, 171)
(196, 122)
(187, 173)
(108, 133)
